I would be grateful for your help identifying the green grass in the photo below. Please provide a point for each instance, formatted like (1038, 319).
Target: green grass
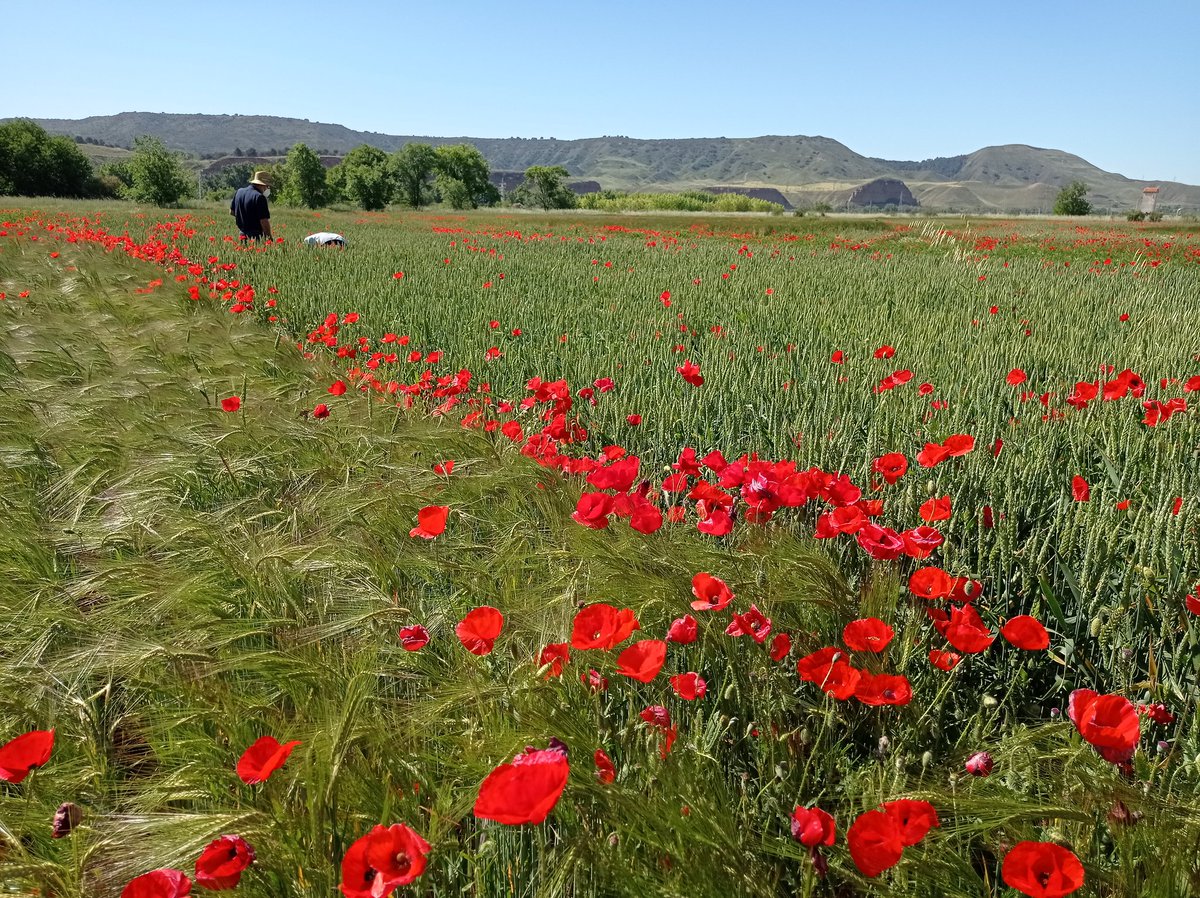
(176, 580)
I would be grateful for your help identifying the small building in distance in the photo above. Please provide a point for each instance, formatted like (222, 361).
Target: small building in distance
(1148, 201)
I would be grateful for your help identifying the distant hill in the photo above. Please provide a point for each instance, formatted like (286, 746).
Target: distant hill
(805, 170)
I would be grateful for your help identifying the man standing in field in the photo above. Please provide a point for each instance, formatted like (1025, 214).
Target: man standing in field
(250, 210)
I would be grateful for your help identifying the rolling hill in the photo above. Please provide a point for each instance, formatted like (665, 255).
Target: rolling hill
(807, 170)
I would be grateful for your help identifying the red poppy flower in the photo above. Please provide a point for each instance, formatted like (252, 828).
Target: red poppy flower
(838, 357)
(914, 818)
(262, 759)
(479, 629)
(966, 631)
(1026, 632)
(605, 771)
(874, 843)
(1107, 722)
(321, 411)
(716, 523)
(883, 689)
(337, 388)
(946, 661)
(933, 510)
(920, 542)
(1080, 491)
(526, 790)
(933, 454)
(556, 655)
(812, 827)
(643, 660)
(830, 671)
(1192, 600)
(682, 630)
(959, 444)
(1016, 377)
(689, 686)
(22, 754)
(930, 583)
(634, 420)
(231, 403)
(753, 623)
(413, 638)
(711, 592)
(619, 476)
(593, 681)
(868, 634)
(592, 510)
(431, 521)
(1042, 870)
(891, 467)
(383, 860)
(444, 468)
(690, 372)
(601, 626)
(885, 352)
(220, 865)
(881, 543)
(780, 646)
(164, 883)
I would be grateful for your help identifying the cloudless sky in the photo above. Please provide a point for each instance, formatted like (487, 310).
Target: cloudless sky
(1113, 82)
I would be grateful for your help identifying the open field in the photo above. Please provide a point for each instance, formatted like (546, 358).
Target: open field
(817, 409)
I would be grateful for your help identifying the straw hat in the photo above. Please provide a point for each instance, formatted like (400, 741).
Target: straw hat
(261, 178)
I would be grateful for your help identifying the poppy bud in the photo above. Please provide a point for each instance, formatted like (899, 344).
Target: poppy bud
(980, 764)
(66, 818)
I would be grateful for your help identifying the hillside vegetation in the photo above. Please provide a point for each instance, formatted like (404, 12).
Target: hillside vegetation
(1014, 177)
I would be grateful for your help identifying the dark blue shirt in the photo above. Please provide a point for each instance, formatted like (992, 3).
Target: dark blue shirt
(249, 208)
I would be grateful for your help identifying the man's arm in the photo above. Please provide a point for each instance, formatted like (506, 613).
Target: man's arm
(264, 220)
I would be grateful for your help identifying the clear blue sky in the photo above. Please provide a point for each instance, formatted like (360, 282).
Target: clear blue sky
(1113, 82)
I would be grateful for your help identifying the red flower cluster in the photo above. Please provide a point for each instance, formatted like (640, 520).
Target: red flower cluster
(877, 839)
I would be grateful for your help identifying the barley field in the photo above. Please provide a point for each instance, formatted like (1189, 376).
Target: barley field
(784, 556)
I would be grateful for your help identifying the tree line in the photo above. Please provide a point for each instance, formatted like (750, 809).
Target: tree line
(415, 175)
(36, 163)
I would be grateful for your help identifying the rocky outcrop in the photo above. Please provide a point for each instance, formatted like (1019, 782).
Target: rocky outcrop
(883, 192)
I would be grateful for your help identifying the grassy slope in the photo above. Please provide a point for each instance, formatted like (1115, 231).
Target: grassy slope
(176, 580)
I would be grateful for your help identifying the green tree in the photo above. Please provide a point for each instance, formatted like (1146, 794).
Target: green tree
(302, 181)
(365, 178)
(33, 163)
(412, 168)
(1072, 200)
(545, 186)
(462, 177)
(158, 175)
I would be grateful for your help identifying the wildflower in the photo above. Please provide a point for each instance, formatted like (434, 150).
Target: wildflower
(220, 865)
(262, 759)
(479, 630)
(525, 790)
